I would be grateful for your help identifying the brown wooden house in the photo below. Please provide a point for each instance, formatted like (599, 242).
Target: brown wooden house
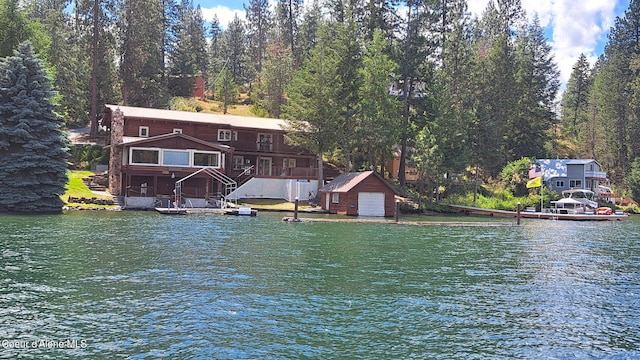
(153, 151)
(359, 193)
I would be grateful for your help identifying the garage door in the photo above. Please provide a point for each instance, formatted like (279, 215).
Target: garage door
(371, 204)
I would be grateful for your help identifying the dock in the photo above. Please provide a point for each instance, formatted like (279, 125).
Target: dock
(617, 216)
(241, 211)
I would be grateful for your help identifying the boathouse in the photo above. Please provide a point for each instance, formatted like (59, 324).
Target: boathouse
(359, 193)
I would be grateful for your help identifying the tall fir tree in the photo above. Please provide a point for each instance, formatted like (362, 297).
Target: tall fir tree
(33, 147)
(575, 99)
(258, 23)
(537, 82)
(312, 112)
(376, 122)
(142, 66)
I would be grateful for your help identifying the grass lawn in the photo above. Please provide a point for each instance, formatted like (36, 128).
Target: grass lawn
(76, 188)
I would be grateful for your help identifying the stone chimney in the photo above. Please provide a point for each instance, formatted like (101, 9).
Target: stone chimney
(115, 160)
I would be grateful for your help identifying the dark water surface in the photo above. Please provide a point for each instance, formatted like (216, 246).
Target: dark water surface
(140, 285)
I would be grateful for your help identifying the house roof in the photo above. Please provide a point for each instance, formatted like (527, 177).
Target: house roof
(347, 181)
(554, 168)
(186, 116)
(137, 141)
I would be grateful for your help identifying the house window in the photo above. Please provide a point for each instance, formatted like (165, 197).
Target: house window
(575, 184)
(224, 135)
(234, 136)
(238, 162)
(559, 184)
(265, 142)
(175, 158)
(289, 163)
(141, 156)
(143, 131)
(177, 131)
(206, 159)
(335, 198)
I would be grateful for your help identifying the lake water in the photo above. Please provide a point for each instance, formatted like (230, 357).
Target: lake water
(107, 285)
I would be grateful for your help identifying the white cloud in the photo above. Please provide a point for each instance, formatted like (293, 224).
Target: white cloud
(225, 14)
(580, 28)
(576, 26)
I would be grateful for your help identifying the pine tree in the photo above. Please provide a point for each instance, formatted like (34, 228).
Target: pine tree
(32, 144)
(377, 121)
(258, 25)
(142, 67)
(575, 98)
(312, 111)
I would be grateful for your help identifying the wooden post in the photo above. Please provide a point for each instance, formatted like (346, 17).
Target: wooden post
(295, 210)
(518, 213)
(397, 210)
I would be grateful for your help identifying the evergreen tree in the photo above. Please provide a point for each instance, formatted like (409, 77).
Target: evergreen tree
(233, 50)
(258, 26)
(536, 89)
(415, 71)
(274, 78)
(312, 112)
(188, 56)
(227, 89)
(377, 121)
(288, 14)
(575, 99)
(16, 27)
(32, 144)
(216, 58)
(142, 54)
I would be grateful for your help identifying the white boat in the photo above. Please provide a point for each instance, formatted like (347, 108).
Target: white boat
(575, 201)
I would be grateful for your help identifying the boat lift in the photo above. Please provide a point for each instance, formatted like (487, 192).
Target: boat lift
(230, 185)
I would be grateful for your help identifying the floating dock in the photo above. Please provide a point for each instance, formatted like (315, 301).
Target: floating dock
(541, 215)
(241, 211)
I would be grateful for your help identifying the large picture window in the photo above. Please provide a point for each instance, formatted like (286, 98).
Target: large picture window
(172, 157)
(145, 156)
(206, 159)
(175, 158)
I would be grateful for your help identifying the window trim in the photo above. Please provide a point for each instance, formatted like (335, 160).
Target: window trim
(177, 131)
(335, 198)
(189, 157)
(238, 165)
(143, 131)
(193, 159)
(224, 135)
(161, 157)
(261, 143)
(158, 150)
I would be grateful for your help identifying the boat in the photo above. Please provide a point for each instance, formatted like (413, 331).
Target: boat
(575, 201)
(172, 211)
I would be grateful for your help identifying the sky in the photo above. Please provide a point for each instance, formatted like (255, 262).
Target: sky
(572, 27)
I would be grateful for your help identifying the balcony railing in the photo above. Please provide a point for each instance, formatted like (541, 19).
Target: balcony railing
(595, 174)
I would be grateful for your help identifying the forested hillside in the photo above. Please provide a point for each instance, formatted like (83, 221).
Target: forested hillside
(459, 95)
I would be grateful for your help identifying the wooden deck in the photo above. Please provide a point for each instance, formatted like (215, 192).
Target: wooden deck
(540, 215)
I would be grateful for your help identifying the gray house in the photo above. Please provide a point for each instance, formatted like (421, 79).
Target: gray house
(572, 174)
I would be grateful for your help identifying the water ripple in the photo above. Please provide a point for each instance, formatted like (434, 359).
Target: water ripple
(143, 286)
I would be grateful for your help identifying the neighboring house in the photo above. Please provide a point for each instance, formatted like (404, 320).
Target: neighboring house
(393, 166)
(359, 193)
(572, 174)
(155, 153)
